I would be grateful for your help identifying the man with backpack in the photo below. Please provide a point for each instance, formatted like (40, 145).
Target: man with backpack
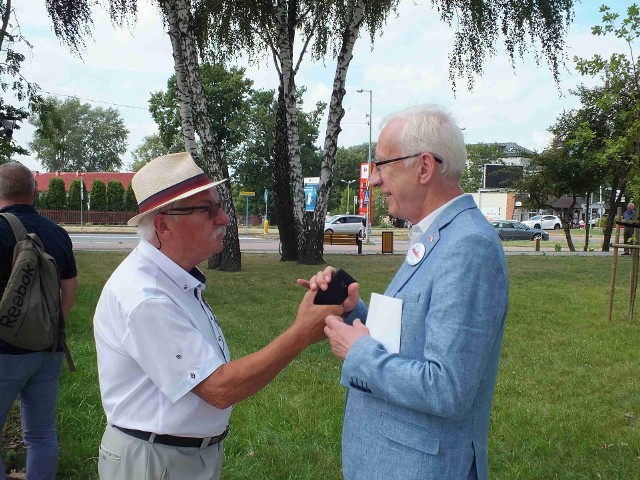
(32, 375)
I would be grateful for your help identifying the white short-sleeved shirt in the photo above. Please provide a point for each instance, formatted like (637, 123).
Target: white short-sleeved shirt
(156, 339)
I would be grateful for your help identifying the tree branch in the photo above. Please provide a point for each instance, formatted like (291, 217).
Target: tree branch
(316, 20)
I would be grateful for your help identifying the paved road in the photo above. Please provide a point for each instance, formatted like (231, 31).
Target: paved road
(256, 244)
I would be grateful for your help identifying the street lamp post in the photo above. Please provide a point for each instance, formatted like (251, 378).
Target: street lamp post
(348, 182)
(369, 162)
(81, 198)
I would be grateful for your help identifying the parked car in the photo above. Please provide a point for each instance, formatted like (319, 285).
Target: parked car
(545, 222)
(346, 224)
(594, 222)
(512, 230)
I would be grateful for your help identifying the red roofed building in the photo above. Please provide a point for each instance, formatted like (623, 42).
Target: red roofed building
(42, 179)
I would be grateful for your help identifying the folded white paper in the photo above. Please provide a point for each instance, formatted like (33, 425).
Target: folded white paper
(384, 321)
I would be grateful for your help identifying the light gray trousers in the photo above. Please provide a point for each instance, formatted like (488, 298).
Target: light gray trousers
(123, 457)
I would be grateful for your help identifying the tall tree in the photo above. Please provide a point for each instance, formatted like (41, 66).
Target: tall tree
(19, 95)
(255, 27)
(151, 147)
(115, 196)
(569, 166)
(98, 196)
(347, 169)
(76, 200)
(57, 195)
(227, 93)
(616, 105)
(182, 27)
(130, 203)
(74, 136)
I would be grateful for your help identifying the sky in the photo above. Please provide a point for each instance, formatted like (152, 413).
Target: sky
(406, 65)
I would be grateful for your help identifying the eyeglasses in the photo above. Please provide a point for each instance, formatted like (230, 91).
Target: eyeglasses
(212, 209)
(384, 162)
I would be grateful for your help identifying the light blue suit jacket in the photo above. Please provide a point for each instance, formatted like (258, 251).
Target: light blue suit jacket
(424, 413)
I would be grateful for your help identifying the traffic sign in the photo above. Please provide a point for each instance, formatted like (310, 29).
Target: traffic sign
(247, 194)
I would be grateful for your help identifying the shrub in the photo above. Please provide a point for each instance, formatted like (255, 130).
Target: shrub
(130, 203)
(98, 196)
(115, 196)
(74, 197)
(57, 196)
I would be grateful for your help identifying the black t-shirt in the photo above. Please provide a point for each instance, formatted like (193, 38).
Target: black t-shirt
(56, 243)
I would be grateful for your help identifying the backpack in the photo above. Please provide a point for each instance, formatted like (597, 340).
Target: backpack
(30, 314)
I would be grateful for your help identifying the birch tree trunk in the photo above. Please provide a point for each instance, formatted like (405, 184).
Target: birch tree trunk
(313, 246)
(229, 259)
(281, 184)
(188, 131)
(286, 21)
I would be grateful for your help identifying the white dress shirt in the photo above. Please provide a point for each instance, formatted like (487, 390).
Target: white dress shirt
(156, 339)
(419, 229)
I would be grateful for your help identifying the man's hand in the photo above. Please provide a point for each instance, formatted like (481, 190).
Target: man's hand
(343, 336)
(310, 318)
(320, 281)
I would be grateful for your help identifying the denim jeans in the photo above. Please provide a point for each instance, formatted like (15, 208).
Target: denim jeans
(34, 377)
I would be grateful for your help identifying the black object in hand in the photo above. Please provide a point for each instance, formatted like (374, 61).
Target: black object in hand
(336, 293)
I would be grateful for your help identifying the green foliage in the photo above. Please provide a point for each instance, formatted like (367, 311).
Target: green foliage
(74, 197)
(252, 160)
(570, 165)
(226, 93)
(150, 148)
(99, 196)
(72, 22)
(57, 196)
(74, 136)
(523, 26)
(613, 107)
(115, 196)
(347, 167)
(379, 207)
(15, 88)
(130, 203)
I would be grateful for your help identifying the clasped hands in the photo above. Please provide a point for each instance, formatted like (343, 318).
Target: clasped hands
(340, 335)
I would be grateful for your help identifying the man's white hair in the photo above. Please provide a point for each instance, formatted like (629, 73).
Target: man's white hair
(428, 128)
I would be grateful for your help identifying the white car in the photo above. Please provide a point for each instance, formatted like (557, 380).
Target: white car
(345, 224)
(545, 222)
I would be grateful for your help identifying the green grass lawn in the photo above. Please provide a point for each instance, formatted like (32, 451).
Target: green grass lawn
(566, 404)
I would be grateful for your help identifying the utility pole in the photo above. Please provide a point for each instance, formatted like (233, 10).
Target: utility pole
(369, 162)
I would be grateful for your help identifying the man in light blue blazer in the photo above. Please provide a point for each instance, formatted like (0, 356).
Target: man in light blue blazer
(424, 413)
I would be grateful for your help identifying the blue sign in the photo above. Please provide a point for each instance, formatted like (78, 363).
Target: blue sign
(310, 196)
(366, 196)
(266, 195)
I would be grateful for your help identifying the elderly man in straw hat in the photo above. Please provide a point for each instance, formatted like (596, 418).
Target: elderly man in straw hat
(166, 378)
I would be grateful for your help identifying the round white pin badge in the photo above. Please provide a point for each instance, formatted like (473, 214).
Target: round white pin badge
(415, 253)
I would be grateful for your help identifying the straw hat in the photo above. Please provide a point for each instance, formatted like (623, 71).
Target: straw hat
(166, 179)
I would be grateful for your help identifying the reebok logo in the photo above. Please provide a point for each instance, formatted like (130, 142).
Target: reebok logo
(17, 297)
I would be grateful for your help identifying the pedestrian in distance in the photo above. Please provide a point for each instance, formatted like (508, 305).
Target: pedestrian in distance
(422, 413)
(167, 380)
(629, 215)
(33, 376)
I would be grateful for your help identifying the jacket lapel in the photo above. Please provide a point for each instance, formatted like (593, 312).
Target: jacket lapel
(429, 239)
